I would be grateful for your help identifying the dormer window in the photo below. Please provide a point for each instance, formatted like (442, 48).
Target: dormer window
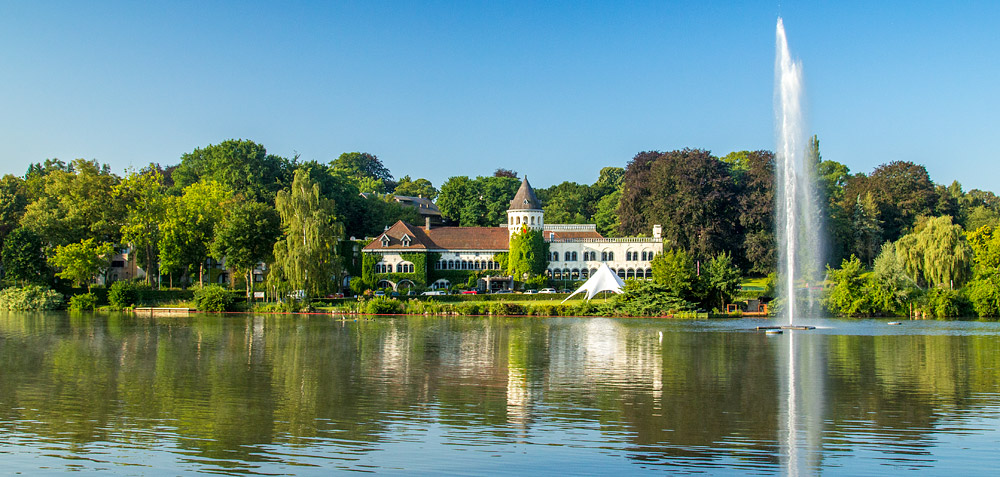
(385, 240)
(406, 240)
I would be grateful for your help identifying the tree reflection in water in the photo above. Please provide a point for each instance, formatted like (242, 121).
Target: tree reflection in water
(264, 393)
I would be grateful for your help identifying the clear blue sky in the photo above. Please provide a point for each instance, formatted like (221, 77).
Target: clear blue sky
(554, 90)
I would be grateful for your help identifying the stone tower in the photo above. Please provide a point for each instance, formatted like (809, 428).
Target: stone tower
(525, 209)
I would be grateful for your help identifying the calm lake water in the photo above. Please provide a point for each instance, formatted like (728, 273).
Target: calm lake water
(244, 394)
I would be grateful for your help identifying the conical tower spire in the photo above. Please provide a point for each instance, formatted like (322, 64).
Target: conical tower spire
(525, 198)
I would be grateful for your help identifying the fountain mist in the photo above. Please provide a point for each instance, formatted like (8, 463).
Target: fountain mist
(797, 217)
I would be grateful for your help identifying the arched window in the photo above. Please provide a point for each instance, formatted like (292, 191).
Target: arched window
(575, 274)
(566, 255)
(621, 273)
(611, 256)
(451, 264)
(555, 256)
(532, 221)
(604, 256)
(518, 220)
(573, 256)
(649, 272)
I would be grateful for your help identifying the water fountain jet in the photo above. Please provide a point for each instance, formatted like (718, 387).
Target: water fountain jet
(798, 228)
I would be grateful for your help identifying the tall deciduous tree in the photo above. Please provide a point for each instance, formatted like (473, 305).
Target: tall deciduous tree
(481, 202)
(23, 257)
(306, 256)
(73, 202)
(415, 188)
(188, 228)
(362, 165)
(246, 237)
(12, 204)
(82, 262)
(241, 165)
(143, 195)
(688, 192)
(936, 254)
(721, 281)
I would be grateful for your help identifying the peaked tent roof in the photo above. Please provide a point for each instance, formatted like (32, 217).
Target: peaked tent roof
(525, 198)
(602, 280)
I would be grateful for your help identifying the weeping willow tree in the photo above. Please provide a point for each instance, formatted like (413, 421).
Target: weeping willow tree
(305, 258)
(937, 254)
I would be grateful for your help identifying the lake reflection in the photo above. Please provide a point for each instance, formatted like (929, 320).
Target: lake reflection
(307, 394)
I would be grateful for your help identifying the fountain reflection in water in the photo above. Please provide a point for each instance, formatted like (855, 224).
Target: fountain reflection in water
(801, 416)
(800, 248)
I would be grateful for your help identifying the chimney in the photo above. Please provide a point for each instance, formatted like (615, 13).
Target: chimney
(427, 223)
(658, 231)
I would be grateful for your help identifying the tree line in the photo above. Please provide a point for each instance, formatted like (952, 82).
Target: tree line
(234, 201)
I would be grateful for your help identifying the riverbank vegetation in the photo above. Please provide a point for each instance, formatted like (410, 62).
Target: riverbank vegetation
(901, 244)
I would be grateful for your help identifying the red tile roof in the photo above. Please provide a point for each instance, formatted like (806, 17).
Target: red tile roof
(442, 238)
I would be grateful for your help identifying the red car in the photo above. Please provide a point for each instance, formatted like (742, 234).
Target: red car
(470, 292)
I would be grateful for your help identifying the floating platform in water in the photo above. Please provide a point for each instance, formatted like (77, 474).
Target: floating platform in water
(894, 323)
(786, 327)
(163, 311)
(773, 332)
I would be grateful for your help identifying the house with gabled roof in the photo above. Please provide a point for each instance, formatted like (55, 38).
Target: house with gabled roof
(405, 255)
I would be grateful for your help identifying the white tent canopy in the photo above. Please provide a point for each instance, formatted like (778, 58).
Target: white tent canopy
(604, 279)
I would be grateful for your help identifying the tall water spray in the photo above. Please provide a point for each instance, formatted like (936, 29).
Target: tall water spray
(797, 218)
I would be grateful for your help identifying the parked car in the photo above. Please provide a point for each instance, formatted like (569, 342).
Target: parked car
(394, 294)
(502, 291)
(379, 293)
(547, 290)
(530, 292)
(335, 295)
(434, 293)
(470, 292)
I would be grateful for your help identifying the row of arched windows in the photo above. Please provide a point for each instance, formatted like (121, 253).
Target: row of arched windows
(606, 256)
(631, 256)
(582, 274)
(404, 267)
(467, 265)
(517, 220)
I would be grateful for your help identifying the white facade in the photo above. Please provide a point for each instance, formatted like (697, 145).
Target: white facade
(578, 258)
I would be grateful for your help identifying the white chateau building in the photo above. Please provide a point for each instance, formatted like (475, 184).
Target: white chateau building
(576, 250)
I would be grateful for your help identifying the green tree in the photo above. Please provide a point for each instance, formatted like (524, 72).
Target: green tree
(82, 262)
(188, 227)
(566, 203)
(675, 271)
(606, 214)
(12, 204)
(143, 195)
(241, 165)
(73, 203)
(362, 165)
(721, 281)
(246, 237)
(903, 191)
(528, 255)
(481, 202)
(893, 289)
(688, 192)
(416, 188)
(867, 228)
(306, 256)
(984, 288)
(23, 257)
(937, 254)
(848, 296)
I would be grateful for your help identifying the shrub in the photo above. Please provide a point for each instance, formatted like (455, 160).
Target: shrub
(501, 308)
(83, 302)
(384, 306)
(213, 298)
(31, 297)
(125, 294)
